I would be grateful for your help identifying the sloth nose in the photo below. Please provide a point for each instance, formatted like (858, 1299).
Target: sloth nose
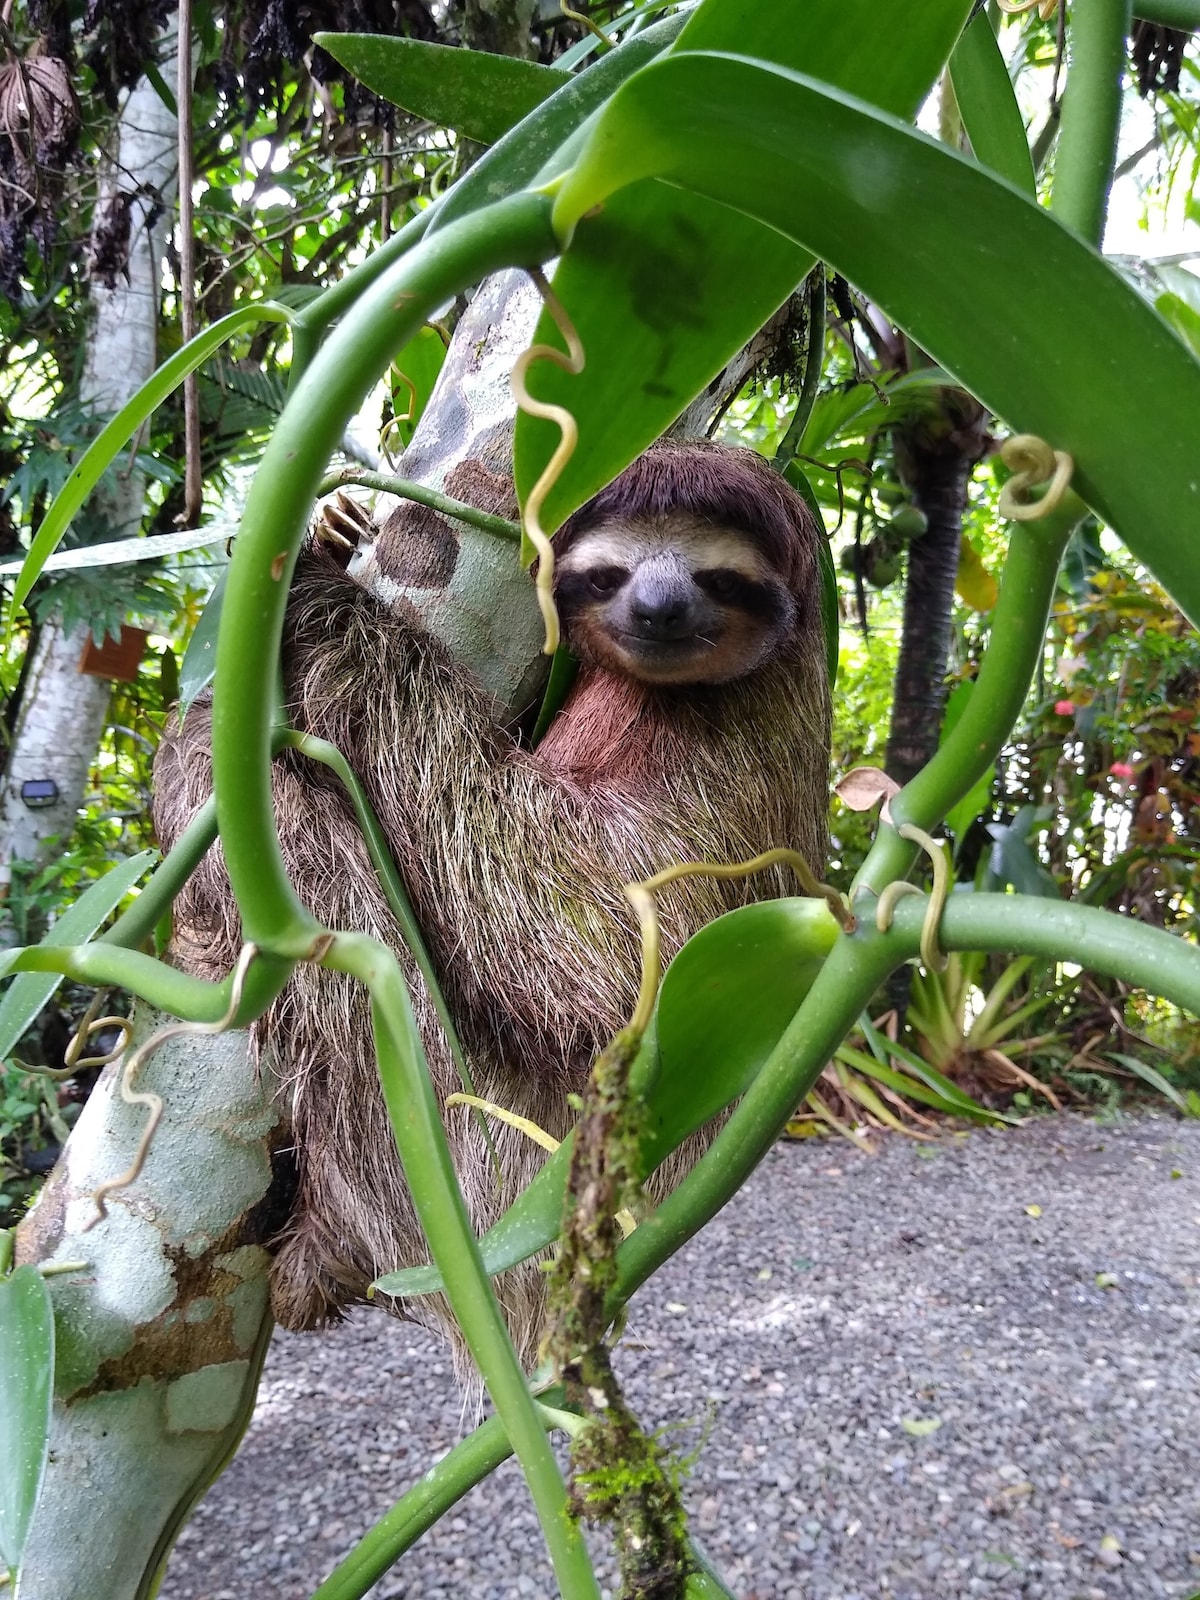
(662, 612)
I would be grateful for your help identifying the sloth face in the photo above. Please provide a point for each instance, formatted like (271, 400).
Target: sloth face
(671, 601)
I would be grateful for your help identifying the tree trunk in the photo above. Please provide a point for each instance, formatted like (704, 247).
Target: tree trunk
(501, 26)
(62, 713)
(935, 454)
(162, 1326)
(468, 586)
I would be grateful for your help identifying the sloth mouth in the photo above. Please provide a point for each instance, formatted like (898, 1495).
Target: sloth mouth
(667, 661)
(689, 644)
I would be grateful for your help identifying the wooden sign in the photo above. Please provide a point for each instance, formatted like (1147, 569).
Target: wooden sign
(116, 658)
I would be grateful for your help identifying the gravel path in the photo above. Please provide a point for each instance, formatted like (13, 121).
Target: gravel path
(901, 1378)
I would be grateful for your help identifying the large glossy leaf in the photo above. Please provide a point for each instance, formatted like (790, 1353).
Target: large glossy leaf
(521, 154)
(665, 286)
(724, 1001)
(946, 249)
(989, 107)
(29, 991)
(475, 93)
(26, 1390)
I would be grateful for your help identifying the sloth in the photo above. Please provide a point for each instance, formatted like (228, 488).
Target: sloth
(697, 728)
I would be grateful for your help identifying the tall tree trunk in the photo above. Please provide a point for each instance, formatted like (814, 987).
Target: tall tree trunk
(62, 713)
(935, 453)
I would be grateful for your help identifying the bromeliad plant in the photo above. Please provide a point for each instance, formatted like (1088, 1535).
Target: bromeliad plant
(669, 171)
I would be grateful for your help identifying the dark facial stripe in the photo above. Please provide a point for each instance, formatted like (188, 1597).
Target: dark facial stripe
(573, 591)
(731, 589)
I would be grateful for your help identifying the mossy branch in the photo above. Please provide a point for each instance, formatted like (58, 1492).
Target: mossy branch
(619, 1474)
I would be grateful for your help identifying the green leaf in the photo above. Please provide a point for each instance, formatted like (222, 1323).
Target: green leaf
(958, 1105)
(87, 472)
(648, 280)
(887, 51)
(564, 669)
(529, 1225)
(916, 1066)
(26, 1392)
(1154, 1078)
(420, 361)
(975, 802)
(862, 409)
(168, 676)
(29, 991)
(477, 94)
(1183, 317)
(1013, 860)
(939, 244)
(200, 657)
(989, 107)
(647, 288)
(830, 614)
(725, 1000)
(522, 153)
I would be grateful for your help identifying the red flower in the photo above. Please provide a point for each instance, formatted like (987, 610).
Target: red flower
(1064, 708)
(1121, 769)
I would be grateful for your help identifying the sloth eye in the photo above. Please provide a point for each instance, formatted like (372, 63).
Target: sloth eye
(605, 581)
(723, 583)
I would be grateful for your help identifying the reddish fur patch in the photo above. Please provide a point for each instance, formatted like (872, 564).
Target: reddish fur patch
(611, 731)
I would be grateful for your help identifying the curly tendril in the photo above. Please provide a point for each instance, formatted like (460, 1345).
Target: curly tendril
(571, 362)
(938, 851)
(641, 898)
(1033, 462)
(153, 1102)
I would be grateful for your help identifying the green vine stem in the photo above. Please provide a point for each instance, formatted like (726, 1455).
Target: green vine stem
(442, 1487)
(429, 1172)
(407, 489)
(1091, 116)
(136, 924)
(1014, 648)
(1182, 14)
(857, 965)
(514, 232)
(103, 966)
(814, 360)
(310, 324)
(1060, 930)
(321, 750)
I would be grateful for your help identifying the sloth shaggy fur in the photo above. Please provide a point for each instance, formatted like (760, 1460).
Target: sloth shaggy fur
(514, 861)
